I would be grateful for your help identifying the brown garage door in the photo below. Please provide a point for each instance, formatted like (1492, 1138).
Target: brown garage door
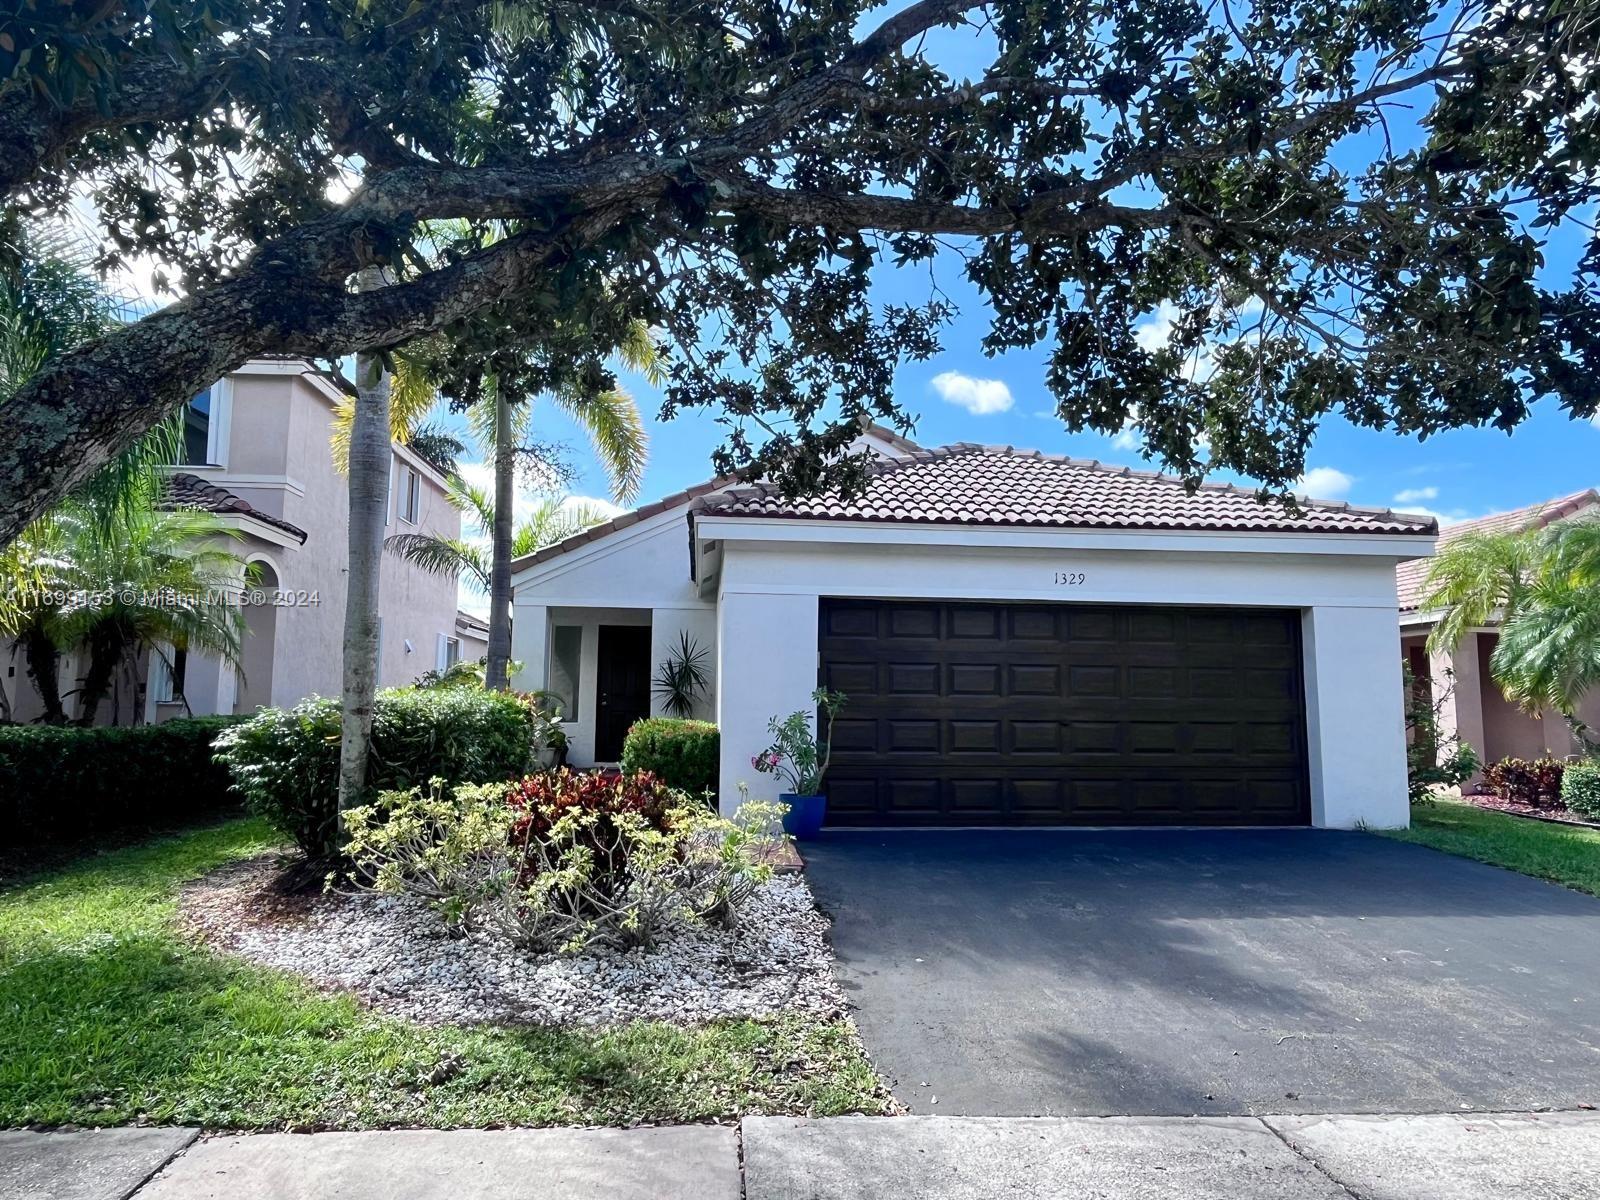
(1051, 714)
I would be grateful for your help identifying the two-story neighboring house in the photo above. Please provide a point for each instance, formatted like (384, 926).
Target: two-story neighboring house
(258, 454)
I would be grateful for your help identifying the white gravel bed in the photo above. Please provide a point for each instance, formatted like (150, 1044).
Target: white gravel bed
(399, 955)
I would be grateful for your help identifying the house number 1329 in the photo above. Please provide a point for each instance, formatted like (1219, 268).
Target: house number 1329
(1069, 578)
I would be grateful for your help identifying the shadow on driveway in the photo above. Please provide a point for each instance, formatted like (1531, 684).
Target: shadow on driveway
(1016, 972)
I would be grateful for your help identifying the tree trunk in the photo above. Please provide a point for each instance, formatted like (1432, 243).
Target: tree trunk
(107, 648)
(369, 500)
(1585, 733)
(497, 671)
(44, 668)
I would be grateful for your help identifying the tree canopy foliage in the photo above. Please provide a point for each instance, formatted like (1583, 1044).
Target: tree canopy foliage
(1343, 202)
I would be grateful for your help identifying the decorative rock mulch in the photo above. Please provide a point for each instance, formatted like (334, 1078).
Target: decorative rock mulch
(398, 955)
(1560, 816)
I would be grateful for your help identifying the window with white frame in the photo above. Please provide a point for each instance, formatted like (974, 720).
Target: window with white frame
(207, 420)
(566, 654)
(409, 501)
(167, 669)
(448, 653)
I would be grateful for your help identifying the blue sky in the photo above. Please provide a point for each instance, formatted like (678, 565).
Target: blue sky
(1457, 475)
(1461, 474)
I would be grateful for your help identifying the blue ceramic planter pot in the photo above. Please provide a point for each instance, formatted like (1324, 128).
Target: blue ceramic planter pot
(803, 821)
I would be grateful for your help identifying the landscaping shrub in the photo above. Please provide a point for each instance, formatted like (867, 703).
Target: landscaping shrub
(1535, 781)
(1434, 759)
(64, 783)
(1580, 788)
(285, 762)
(685, 754)
(563, 861)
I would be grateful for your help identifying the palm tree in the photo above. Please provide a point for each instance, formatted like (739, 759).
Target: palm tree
(615, 429)
(501, 425)
(153, 579)
(1543, 588)
(109, 537)
(367, 463)
(552, 520)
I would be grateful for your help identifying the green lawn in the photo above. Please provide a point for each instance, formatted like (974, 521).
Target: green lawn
(107, 1015)
(1563, 854)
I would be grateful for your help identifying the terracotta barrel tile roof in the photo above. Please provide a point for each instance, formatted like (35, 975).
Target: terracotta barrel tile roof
(1411, 577)
(966, 484)
(190, 491)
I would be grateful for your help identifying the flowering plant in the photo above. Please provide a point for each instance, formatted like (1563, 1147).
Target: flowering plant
(795, 754)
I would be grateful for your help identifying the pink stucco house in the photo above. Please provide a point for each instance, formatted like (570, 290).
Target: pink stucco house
(1475, 709)
(257, 453)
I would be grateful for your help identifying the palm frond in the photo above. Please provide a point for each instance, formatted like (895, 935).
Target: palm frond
(1478, 578)
(412, 395)
(554, 519)
(617, 432)
(639, 352)
(475, 502)
(441, 556)
(438, 447)
(1549, 655)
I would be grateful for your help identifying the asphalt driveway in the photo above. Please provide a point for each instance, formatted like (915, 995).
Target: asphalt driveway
(1026, 972)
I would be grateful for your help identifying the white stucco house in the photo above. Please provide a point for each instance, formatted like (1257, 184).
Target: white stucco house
(1023, 639)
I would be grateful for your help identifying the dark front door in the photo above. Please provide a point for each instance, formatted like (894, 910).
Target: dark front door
(623, 687)
(1064, 714)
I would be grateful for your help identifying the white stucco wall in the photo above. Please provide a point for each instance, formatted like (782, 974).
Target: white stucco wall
(634, 576)
(773, 573)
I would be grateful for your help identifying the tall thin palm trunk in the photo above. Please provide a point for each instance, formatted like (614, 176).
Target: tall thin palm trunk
(497, 670)
(369, 499)
(44, 668)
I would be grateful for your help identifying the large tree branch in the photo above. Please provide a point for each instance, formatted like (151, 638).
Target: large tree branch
(1052, 213)
(81, 409)
(34, 130)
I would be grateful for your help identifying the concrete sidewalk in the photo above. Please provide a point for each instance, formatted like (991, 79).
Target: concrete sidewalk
(1554, 1156)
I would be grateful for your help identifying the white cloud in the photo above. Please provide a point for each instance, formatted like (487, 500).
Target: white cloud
(1454, 517)
(1412, 495)
(1323, 483)
(980, 397)
(1127, 438)
(1155, 331)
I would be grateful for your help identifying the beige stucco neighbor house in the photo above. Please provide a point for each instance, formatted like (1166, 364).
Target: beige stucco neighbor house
(257, 454)
(1024, 639)
(1475, 709)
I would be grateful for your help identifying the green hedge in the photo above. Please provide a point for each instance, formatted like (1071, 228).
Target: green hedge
(69, 784)
(685, 754)
(286, 761)
(1580, 788)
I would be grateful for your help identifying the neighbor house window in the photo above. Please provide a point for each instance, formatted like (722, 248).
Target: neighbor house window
(410, 499)
(169, 670)
(206, 422)
(449, 653)
(566, 649)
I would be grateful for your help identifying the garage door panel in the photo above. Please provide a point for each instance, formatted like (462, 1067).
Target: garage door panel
(851, 678)
(916, 797)
(975, 737)
(975, 624)
(1063, 714)
(1036, 737)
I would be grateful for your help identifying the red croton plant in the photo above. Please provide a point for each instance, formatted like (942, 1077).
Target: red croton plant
(545, 798)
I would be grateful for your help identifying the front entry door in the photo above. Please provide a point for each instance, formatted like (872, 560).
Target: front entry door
(623, 688)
